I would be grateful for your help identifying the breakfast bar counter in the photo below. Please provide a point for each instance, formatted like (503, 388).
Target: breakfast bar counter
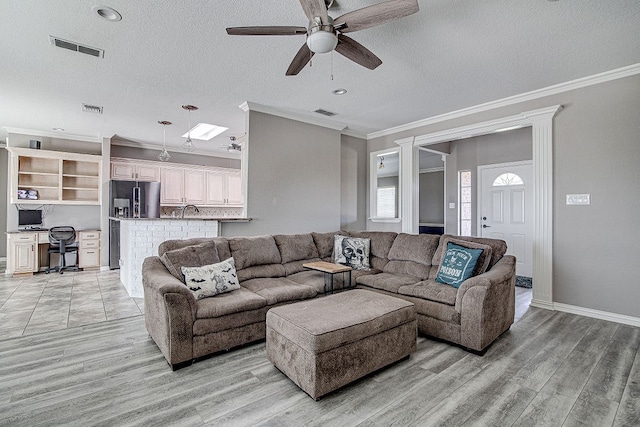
(140, 238)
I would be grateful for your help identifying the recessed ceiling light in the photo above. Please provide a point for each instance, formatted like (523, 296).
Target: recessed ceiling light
(340, 91)
(58, 129)
(204, 131)
(107, 13)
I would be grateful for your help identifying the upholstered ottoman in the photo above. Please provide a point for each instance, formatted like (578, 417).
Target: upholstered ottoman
(326, 343)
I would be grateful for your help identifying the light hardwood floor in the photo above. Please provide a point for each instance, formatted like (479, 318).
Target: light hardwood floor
(550, 369)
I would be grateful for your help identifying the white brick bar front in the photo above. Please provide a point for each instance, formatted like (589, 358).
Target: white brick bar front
(140, 238)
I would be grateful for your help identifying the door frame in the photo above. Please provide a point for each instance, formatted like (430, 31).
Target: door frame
(479, 189)
(541, 122)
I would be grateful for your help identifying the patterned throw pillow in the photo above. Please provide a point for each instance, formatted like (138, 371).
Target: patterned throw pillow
(211, 280)
(352, 252)
(457, 265)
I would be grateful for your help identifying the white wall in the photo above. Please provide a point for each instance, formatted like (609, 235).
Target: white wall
(293, 178)
(353, 183)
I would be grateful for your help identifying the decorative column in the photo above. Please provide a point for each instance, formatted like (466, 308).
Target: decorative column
(542, 135)
(409, 188)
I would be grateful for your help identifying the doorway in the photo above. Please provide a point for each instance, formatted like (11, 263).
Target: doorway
(505, 209)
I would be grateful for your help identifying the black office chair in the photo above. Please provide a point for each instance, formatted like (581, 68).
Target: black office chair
(61, 241)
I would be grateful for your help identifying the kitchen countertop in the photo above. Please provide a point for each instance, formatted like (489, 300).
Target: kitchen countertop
(188, 218)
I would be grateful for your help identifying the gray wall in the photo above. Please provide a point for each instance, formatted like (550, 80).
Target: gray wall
(181, 158)
(4, 173)
(353, 183)
(293, 178)
(432, 197)
(468, 154)
(596, 151)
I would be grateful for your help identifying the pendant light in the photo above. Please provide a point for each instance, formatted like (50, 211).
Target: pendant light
(164, 154)
(381, 163)
(188, 144)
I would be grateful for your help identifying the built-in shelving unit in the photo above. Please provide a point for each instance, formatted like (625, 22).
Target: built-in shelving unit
(56, 177)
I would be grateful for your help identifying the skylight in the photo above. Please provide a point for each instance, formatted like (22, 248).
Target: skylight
(205, 131)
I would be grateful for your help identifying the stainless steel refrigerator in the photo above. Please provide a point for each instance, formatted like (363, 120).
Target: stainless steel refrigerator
(129, 199)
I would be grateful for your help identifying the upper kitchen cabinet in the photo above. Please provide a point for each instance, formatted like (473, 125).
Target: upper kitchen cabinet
(224, 187)
(54, 177)
(126, 169)
(180, 186)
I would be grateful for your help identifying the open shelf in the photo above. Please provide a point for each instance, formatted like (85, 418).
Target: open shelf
(57, 177)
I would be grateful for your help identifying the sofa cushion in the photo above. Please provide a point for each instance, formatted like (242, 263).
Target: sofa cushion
(481, 266)
(498, 247)
(211, 280)
(312, 278)
(294, 267)
(431, 290)
(324, 243)
(386, 281)
(222, 246)
(189, 256)
(250, 251)
(278, 290)
(258, 271)
(294, 247)
(381, 242)
(411, 254)
(238, 301)
(352, 251)
(457, 264)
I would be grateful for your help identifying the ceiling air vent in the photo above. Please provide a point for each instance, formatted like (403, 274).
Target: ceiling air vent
(66, 44)
(325, 112)
(92, 108)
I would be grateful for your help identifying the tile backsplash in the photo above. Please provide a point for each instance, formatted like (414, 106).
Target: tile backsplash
(166, 212)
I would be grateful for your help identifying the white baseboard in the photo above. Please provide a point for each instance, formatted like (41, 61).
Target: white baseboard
(541, 304)
(597, 314)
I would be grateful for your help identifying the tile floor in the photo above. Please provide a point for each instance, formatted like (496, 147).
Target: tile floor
(49, 302)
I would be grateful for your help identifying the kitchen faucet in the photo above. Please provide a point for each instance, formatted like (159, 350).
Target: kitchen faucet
(184, 208)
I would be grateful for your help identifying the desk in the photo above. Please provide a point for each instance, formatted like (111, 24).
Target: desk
(28, 251)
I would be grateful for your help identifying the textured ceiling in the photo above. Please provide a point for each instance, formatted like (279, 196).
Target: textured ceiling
(452, 54)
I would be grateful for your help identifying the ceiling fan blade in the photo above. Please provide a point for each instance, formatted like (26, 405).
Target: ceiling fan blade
(359, 54)
(266, 31)
(375, 15)
(315, 8)
(301, 59)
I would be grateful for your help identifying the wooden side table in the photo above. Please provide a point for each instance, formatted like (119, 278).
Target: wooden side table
(329, 269)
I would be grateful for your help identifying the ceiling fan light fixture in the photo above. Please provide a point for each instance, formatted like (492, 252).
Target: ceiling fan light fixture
(322, 41)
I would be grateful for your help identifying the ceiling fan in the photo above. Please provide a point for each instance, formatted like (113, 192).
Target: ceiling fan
(326, 34)
(233, 146)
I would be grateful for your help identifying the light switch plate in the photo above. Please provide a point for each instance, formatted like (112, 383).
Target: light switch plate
(578, 199)
(452, 205)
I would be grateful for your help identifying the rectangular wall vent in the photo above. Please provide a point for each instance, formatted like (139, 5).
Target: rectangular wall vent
(325, 112)
(77, 47)
(92, 108)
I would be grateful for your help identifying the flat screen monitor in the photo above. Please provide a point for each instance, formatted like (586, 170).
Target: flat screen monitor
(30, 217)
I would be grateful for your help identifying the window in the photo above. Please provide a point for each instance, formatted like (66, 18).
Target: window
(386, 202)
(508, 179)
(464, 202)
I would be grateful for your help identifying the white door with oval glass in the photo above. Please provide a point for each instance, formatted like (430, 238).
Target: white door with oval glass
(505, 209)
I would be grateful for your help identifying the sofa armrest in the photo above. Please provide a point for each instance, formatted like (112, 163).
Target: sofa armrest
(486, 304)
(170, 311)
(502, 273)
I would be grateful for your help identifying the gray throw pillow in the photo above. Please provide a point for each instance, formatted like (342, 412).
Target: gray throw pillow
(211, 280)
(352, 252)
(190, 256)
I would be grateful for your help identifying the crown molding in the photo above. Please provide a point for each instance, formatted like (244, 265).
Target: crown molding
(56, 135)
(606, 76)
(252, 106)
(350, 132)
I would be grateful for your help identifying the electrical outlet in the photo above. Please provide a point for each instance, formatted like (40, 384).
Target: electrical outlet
(452, 205)
(578, 199)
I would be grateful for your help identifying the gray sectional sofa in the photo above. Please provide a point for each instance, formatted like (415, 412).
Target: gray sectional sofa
(270, 272)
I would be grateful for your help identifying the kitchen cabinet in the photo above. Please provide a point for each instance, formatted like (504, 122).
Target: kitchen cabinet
(224, 188)
(123, 169)
(181, 186)
(89, 249)
(54, 177)
(23, 252)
